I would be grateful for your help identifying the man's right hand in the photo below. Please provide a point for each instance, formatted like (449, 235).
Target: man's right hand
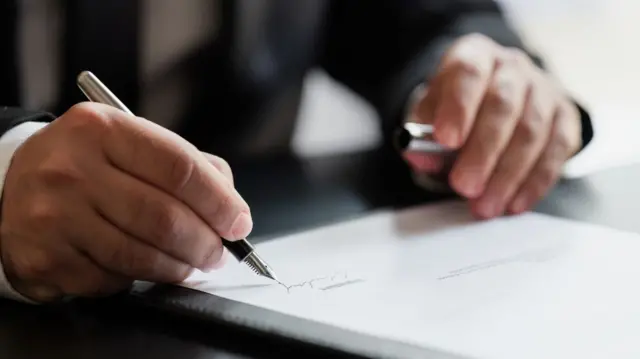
(98, 199)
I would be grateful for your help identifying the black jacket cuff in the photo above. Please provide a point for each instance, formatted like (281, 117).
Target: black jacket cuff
(586, 125)
(11, 117)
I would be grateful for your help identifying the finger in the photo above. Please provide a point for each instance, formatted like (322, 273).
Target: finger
(29, 274)
(39, 292)
(221, 263)
(48, 273)
(165, 160)
(465, 71)
(79, 276)
(548, 168)
(424, 110)
(424, 162)
(501, 108)
(526, 146)
(126, 255)
(221, 165)
(156, 218)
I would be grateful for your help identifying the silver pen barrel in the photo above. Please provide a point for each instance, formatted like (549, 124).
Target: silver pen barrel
(96, 91)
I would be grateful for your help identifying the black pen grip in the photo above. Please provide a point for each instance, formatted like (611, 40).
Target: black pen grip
(240, 248)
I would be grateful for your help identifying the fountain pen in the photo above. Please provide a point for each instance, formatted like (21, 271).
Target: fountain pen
(242, 250)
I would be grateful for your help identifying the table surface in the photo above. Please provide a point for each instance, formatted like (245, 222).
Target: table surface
(318, 191)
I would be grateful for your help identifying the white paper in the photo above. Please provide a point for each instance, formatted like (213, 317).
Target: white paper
(531, 286)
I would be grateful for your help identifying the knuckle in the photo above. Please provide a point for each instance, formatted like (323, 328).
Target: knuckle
(518, 56)
(509, 168)
(44, 215)
(458, 104)
(225, 204)
(477, 37)
(150, 260)
(223, 166)
(486, 152)
(37, 265)
(82, 110)
(134, 261)
(522, 59)
(165, 224)
(546, 176)
(467, 68)
(499, 97)
(181, 172)
(119, 256)
(213, 252)
(139, 207)
(85, 118)
(535, 114)
(563, 145)
(527, 132)
(145, 264)
(219, 163)
(59, 172)
(162, 219)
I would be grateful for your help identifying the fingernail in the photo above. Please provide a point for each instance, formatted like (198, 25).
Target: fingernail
(520, 204)
(488, 208)
(468, 186)
(219, 264)
(447, 135)
(44, 293)
(241, 227)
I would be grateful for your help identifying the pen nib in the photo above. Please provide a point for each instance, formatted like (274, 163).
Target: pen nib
(259, 266)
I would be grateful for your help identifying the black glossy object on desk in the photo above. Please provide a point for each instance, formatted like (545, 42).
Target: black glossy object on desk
(315, 192)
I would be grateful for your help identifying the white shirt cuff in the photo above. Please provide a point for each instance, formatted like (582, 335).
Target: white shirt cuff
(10, 141)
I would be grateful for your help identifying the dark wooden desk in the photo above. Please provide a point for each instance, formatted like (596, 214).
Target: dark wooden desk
(285, 195)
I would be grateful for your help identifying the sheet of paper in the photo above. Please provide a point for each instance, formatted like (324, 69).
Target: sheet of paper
(531, 286)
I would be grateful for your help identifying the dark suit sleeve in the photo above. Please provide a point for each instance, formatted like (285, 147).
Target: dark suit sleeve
(383, 49)
(11, 117)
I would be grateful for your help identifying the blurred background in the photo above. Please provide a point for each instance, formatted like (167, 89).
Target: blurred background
(588, 45)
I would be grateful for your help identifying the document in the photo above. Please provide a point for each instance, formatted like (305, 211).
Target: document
(528, 286)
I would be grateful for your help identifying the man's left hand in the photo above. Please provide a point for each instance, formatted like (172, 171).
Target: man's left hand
(513, 126)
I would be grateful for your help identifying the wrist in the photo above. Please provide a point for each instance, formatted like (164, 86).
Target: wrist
(10, 142)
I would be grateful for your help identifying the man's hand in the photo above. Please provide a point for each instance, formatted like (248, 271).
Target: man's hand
(513, 127)
(99, 198)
